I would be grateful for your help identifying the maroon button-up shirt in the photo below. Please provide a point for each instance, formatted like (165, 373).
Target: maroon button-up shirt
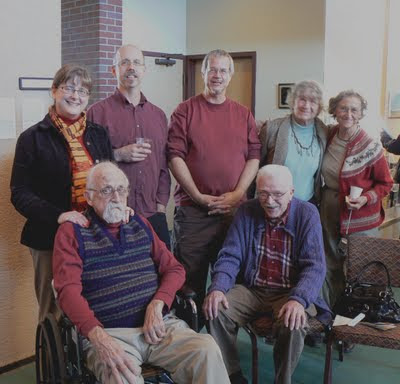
(149, 179)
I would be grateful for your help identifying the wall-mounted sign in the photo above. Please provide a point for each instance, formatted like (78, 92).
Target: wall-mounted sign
(35, 83)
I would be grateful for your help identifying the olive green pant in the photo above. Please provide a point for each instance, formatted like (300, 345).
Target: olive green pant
(42, 265)
(245, 304)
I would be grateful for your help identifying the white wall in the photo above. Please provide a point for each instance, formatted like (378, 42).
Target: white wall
(30, 46)
(288, 36)
(354, 53)
(155, 25)
(393, 59)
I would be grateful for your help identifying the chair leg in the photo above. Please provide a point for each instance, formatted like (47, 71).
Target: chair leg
(254, 354)
(341, 350)
(328, 360)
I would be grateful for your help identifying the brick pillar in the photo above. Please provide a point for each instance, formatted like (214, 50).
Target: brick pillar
(91, 32)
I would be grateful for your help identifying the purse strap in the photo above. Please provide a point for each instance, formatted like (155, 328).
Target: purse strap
(375, 262)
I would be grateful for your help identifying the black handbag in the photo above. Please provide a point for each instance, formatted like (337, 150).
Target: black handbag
(375, 301)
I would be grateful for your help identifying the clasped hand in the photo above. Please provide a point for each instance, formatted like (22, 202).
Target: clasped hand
(220, 204)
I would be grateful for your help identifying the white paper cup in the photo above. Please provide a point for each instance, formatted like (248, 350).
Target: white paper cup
(355, 192)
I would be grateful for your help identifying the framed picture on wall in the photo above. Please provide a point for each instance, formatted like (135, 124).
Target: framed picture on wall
(394, 105)
(284, 91)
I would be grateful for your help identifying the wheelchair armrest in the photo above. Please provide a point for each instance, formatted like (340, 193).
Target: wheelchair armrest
(186, 293)
(185, 307)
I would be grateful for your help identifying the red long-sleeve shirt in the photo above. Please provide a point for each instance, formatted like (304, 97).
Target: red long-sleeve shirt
(215, 141)
(68, 266)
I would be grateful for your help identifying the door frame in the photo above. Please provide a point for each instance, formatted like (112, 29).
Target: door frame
(189, 74)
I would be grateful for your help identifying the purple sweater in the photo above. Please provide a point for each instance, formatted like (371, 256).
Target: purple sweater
(239, 254)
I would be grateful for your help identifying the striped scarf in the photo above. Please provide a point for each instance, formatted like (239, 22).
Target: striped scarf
(81, 160)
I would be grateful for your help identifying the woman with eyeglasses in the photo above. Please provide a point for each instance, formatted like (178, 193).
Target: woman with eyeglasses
(48, 178)
(352, 159)
(298, 140)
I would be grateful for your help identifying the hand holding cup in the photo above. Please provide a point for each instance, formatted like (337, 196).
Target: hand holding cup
(355, 200)
(143, 146)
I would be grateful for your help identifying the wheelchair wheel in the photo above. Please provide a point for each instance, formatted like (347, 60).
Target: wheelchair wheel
(50, 365)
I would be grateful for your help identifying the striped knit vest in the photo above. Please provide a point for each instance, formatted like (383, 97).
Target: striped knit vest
(119, 277)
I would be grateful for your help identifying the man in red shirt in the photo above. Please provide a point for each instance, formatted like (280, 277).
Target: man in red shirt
(213, 152)
(116, 283)
(138, 132)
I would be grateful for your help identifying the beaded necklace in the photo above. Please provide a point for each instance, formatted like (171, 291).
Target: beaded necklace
(299, 147)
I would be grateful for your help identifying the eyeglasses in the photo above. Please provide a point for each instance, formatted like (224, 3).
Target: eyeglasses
(69, 90)
(275, 195)
(109, 191)
(353, 111)
(304, 100)
(222, 71)
(127, 63)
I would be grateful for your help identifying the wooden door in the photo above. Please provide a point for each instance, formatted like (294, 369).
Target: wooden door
(242, 85)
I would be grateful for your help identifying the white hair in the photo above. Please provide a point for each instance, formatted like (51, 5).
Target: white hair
(302, 87)
(275, 170)
(99, 169)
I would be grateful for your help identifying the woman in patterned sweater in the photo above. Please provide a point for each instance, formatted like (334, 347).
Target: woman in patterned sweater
(352, 158)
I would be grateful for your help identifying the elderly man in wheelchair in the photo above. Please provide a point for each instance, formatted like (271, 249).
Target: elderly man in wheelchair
(116, 282)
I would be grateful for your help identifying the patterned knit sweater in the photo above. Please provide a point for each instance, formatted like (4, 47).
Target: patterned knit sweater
(364, 166)
(119, 277)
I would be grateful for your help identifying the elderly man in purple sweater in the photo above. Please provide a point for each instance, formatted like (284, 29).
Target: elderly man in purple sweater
(275, 243)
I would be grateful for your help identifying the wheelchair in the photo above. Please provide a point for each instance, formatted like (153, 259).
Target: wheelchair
(59, 348)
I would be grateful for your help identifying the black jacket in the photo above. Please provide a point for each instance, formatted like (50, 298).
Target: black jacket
(392, 146)
(41, 177)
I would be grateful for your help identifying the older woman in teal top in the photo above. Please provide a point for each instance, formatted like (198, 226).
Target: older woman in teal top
(298, 140)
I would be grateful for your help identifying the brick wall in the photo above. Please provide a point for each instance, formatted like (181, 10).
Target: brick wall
(91, 32)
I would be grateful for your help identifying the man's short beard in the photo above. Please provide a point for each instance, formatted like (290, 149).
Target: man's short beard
(114, 212)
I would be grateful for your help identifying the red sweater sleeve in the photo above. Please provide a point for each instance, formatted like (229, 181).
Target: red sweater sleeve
(67, 272)
(177, 133)
(171, 272)
(253, 139)
(382, 182)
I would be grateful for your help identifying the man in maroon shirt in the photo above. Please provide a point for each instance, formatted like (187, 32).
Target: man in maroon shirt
(138, 132)
(116, 283)
(213, 152)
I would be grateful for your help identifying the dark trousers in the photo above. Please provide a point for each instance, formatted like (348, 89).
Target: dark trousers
(245, 304)
(196, 241)
(159, 223)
